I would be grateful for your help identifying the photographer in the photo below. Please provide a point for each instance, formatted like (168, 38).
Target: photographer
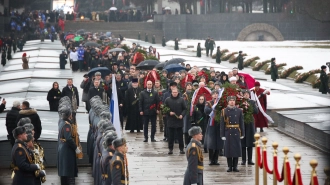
(3, 105)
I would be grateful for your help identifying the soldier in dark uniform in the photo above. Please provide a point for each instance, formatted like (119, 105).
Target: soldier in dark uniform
(176, 44)
(24, 168)
(107, 155)
(248, 141)
(118, 163)
(199, 50)
(163, 41)
(231, 131)
(194, 172)
(206, 45)
(240, 59)
(146, 37)
(153, 39)
(218, 56)
(67, 149)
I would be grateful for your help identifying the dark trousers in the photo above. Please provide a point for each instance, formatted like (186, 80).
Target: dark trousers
(165, 127)
(211, 51)
(121, 117)
(213, 155)
(249, 153)
(171, 135)
(152, 119)
(207, 51)
(232, 162)
(11, 139)
(81, 65)
(187, 139)
(67, 180)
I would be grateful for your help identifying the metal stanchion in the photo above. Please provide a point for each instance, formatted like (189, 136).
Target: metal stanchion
(275, 145)
(286, 159)
(297, 157)
(313, 164)
(264, 148)
(256, 137)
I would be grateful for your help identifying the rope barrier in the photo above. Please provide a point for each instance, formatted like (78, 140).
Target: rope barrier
(264, 159)
(298, 176)
(315, 181)
(288, 173)
(259, 162)
(278, 177)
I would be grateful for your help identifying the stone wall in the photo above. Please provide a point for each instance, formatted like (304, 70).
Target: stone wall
(239, 26)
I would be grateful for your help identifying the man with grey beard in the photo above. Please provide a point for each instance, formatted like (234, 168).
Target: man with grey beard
(134, 119)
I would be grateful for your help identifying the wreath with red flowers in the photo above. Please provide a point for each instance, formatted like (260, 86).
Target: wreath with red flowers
(204, 73)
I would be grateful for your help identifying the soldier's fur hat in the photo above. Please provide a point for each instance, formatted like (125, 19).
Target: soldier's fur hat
(65, 112)
(109, 138)
(28, 131)
(231, 98)
(194, 130)
(118, 142)
(18, 131)
(28, 126)
(29, 138)
(23, 121)
(245, 91)
(105, 115)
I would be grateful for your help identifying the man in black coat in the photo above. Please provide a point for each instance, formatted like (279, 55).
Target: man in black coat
(218, 56)
(206, 45)
(11, 121)
(69, 90)
(34, 117)
(178, 109)
(95, 90)
(211, 46)
(148, 104)
(3, 105)
(63, 57)
(24, 166)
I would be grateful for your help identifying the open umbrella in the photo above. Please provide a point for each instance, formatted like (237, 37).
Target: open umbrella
(160, 66)
(102, 37)
(174, 68)
(78, 38)
(175, 61)
(147, 64)
(81, 31)
(70, 36)
(113, 8)
(103, 70)
(116, 50)
(92, 44)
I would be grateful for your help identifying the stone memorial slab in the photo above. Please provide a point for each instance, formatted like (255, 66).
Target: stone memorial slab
(16, 67)
(275, 101)
(37, 100)
(14, 86)
(40, 65)
(16, 75)
(52, 73)
(44, 85)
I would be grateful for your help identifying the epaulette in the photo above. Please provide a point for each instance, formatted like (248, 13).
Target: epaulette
(110, 153)
(193, 145)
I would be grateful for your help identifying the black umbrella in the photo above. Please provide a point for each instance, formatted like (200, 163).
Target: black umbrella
(160, 66)
(103, 37)
(91, 44)
(116, 50)
(147, 64)
(103, 70)
(175, 61)
(81, 31)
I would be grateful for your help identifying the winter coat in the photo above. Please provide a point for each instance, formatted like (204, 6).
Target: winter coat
(324, 86)
(273, 71)
(148, 102)
(178, 106)
(25, 64)
(248, 140)
(11, 117)
(54, 102)
(176, 45)
(218, 57)
(35, 119)
(212, 134)
(67, 92)
(199, 51)
(85, 86)
(81, 52)
(240, 59)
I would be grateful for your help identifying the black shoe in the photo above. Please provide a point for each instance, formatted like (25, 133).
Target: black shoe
(250, 163)
(176, 141)
(153, 140)
(205, 150)
(138, 131)
(216, 163)
(229, 169)
(261, 130)
(132, 131)
(243, 163)
(235, 169)
(221, 153)
(211, 163)
(145, 140)
(170, 152)
(165, 139)
(182, 152)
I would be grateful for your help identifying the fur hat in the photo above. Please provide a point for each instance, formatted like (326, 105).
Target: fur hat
(28, 132)
(231, 98)
(28, 126)
(272, 59)
(23, 121)
(118, 142)
(29, 138)
(18, 131)
(235, 68)
(217, 83)
(245, 91)
(232, 79)
(109, 138)
(194, 130)
(323, 67)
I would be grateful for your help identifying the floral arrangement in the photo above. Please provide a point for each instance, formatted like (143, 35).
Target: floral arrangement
(163, 80)
(234, 59)
(267, 72)
(222, 52)
(230, 90)
(188, 97)
(303, 76)
(259, 65)
(205, 73)
(249, 61)
(287, 72)
(137, 58)
(247, 110)
(226, 57)
(316, 84)
(125, 48)
(188, 78)
(149, 57)
(164, 109)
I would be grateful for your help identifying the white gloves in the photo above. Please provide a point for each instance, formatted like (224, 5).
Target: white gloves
(44, 172)
(36, 151)
(78, 151)
(38, 166)
(41, 159)
(242, 137)
(223, 138)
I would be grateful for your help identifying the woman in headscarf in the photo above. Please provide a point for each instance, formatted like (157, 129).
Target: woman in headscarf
(25, 61)
(53, 97)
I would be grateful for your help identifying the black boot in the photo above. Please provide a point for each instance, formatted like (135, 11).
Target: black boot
(205, 150)
(249, 151)
(216, 157)
(243, 156)
(211, 157)
(235, 162)
(230, 164)
(221, 152)
(261, 130)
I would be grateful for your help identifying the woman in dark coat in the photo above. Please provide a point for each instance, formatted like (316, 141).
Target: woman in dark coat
(273, 69)
(63, 58)
(224, 78)
(324, 87)
(213, 140)
(241, 83)
(200, 118)
(3, 58)
(247, 142)
(53, 97)
(240, 59)
(14, 46)
(176, 44)
(199, 50)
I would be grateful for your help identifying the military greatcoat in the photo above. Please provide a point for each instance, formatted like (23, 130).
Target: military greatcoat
(117, 168)
(105, 166)
(194, 172)
(212, 135)
(232, 129)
